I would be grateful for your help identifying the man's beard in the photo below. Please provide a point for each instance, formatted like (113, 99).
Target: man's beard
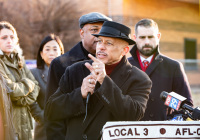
(148, 52)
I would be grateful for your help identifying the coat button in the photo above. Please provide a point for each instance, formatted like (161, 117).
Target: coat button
(151, 114)
(84, 136)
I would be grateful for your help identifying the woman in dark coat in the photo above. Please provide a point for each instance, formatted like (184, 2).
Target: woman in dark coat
(50, 48)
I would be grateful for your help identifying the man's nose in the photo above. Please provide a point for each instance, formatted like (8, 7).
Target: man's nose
(146, 41)
(101, 46)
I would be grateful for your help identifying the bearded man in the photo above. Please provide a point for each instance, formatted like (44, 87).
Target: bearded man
(165, 73)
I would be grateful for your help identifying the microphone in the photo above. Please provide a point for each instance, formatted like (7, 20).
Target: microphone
(86, 106)
(88, 97)
(175, 101)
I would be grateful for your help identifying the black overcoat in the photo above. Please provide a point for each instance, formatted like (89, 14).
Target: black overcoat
(121, 97)
(59, 64)
(56, 70)
(166, 75)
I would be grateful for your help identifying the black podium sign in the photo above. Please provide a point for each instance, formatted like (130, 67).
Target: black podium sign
(151, 130)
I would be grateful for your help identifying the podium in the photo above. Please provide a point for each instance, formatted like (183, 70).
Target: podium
(143, 130)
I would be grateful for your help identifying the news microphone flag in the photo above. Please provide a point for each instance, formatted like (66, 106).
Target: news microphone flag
(174, 100)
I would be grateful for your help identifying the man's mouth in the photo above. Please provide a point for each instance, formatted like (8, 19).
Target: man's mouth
(147, 47)
(101, 55)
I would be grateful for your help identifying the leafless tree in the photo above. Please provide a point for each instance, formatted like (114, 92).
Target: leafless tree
(34, 19)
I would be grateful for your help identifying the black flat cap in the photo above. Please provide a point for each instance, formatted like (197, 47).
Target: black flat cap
(115, 30)
(92, 18)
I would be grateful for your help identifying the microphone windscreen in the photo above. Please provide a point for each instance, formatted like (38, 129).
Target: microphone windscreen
(163, 95)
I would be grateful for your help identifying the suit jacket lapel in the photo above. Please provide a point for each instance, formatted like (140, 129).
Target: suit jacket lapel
(153, 65)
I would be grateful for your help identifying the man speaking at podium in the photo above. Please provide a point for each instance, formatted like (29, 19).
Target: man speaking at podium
(119, 91)
(166, 74)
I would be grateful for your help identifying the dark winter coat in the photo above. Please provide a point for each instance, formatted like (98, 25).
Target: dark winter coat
(59, 64)
(121, 97)
(56, 70)
(166, 75)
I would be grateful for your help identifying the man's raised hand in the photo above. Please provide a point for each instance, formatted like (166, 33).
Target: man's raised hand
(97, 68)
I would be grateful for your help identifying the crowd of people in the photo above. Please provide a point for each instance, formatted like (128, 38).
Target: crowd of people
(72, 95)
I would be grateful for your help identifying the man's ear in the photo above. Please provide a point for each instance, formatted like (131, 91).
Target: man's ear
(159, 35)
(125, 51)
(134, 37)
(81, 31)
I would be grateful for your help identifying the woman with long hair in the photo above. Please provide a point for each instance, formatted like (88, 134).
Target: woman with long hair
(24, 88)
(50, 48)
